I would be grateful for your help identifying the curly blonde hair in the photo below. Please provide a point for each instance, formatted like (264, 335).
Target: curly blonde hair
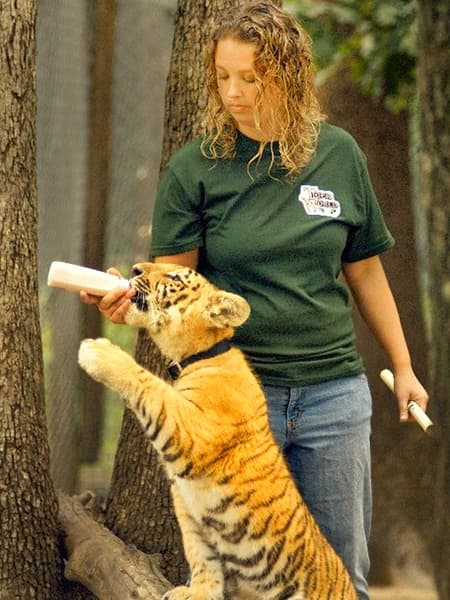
(282, 59)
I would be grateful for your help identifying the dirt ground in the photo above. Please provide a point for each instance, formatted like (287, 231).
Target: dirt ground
(409, 583)
(401, 592)
(411, 573)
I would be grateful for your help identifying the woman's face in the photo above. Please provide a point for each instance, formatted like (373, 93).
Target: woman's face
(238, 90)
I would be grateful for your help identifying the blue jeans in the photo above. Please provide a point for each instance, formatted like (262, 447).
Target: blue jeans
(324, 432)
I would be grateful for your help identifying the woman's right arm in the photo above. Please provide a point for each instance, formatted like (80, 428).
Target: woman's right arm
(186, 259)
(116, 303)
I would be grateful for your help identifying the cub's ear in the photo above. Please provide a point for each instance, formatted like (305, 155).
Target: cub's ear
(227, 310)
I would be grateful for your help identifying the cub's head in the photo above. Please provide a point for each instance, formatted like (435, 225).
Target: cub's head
(181, 310)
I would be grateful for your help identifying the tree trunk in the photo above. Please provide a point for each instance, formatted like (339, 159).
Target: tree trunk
(97, 207)
(434, 92)
(139, 508)
(29, 563)
(400, 492)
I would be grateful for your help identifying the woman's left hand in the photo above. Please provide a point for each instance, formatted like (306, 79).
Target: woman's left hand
(408, 388)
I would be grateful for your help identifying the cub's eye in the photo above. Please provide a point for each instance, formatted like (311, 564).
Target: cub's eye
(173, 276)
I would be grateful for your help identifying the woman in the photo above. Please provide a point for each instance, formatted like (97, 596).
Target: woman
(276, 204)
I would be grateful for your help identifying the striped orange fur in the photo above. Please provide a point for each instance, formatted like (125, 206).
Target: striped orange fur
(247, 533)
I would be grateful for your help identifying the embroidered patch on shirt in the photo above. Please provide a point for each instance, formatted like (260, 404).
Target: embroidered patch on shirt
(319, 202)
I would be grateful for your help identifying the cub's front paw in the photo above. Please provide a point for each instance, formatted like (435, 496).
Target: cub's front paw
(181, 592)
(104, 361)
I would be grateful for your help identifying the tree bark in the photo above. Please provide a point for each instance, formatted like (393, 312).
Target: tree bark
(434, 92)
(30, 566)
(103, 563)
(97, 207)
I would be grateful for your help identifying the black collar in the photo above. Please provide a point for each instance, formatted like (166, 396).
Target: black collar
(176, 367)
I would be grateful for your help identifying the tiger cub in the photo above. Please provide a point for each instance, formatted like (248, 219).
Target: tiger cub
(247, 533)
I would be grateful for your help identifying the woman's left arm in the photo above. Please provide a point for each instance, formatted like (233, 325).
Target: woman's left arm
(375, 301)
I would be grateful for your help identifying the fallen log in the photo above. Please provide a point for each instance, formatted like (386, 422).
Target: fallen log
(101, 562)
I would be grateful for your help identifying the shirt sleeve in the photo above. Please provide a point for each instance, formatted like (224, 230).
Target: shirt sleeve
(372, 236)
(177, 219)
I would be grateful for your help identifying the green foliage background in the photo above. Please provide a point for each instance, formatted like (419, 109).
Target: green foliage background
(375, 39)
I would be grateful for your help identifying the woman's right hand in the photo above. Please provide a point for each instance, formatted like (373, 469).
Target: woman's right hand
(113, 305)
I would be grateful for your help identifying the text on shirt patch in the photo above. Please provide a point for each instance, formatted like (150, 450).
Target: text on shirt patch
(319, 202)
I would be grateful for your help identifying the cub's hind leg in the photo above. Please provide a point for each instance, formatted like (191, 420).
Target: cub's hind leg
(207, 582)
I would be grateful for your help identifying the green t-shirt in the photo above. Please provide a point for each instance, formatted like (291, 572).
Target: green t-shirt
(280, 245)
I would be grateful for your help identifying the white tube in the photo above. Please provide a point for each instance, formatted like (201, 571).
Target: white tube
(74, 278)
(416, 411)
